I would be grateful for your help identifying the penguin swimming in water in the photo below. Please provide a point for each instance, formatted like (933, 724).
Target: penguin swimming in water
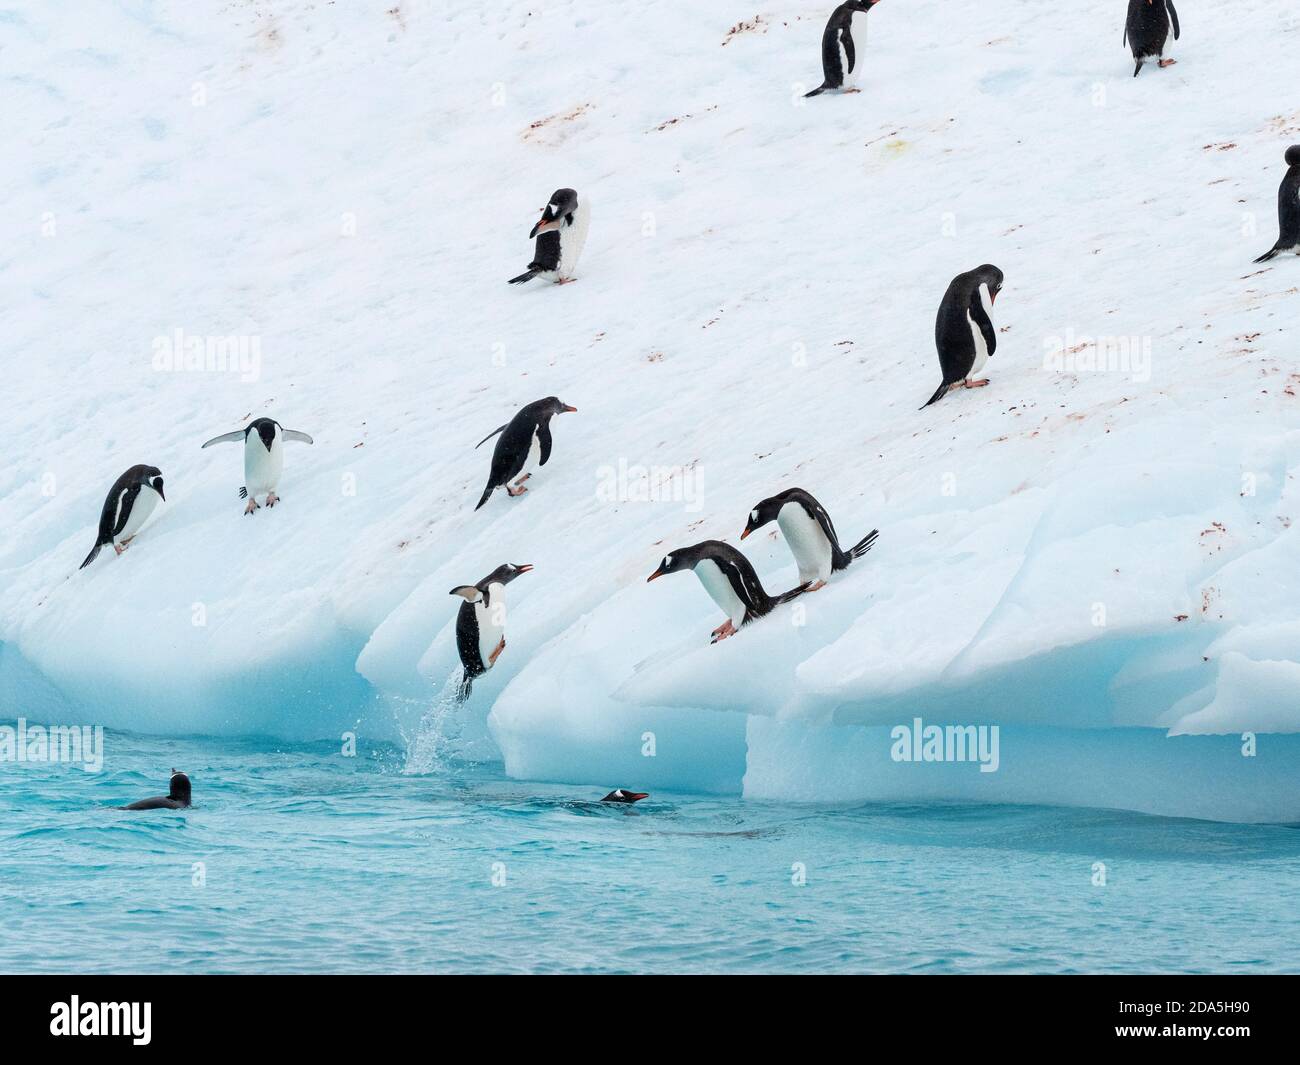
(730, 581)
(525, 444)
(561, 234)
(838, 57)
(263, 458)
(1146, 31)
(623, 795)
(1288, 209)
(808, 530)
(963, 331)
(481, 623)
(130, 501)
(177, 797)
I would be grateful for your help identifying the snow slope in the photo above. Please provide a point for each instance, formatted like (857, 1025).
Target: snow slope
(346, 188)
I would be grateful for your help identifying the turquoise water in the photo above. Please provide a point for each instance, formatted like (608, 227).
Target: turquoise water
(314, 862)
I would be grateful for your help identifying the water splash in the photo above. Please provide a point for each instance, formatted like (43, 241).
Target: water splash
(438, 735)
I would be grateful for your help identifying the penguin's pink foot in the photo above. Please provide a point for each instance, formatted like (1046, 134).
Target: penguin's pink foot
(723, 631)
(252, 505)
(852, 90)
(492, 658)
(1168, 62)
(815, 585)
(565, 280)
(119, 548)
(522, 479)
(977, 384)
(515, 491)
(272, 499)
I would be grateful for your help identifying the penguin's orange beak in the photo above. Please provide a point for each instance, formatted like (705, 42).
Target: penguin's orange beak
(525, 568)
(571, 410)
(657, 573)
(637, 796)
(543, 225)
(747, 531)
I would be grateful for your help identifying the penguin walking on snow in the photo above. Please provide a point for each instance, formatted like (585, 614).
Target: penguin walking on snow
(263, 458)
(964, 332)
(838, 56)
(561, 233)
(525, 444)
(730, 581)
(129, 503)
(1146, 31)
(481, 623)
(1288, 209)
(808, 530)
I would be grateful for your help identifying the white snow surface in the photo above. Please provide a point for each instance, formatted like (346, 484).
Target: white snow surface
(1101, 552)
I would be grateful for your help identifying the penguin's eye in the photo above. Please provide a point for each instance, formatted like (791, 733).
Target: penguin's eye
(753, 515)
(668, 561)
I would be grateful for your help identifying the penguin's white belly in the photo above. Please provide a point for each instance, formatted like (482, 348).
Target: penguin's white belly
(809, 545)
(534, 457)
(491, 622)
(720, 591)
(262, 468)
(981, 347)
(572, 240)
(145, 502)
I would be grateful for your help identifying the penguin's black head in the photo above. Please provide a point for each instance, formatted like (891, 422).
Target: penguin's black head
(152, 476)
(1293, 155)
(558, 213)
(990, 275)
(552, 406)
(265, 428)
(685, 558)
(623, 795)
(863, 5)
(179, 789)
(505, 573)
(764, 512)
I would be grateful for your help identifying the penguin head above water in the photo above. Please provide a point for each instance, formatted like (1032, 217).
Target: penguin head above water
(152, 476)
(623, 795)
(179, 789)
(558, 213)
(764, 512)
(681, 559)
(1293, 155)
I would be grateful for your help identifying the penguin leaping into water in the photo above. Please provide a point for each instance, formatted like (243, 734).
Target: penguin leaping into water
(838, 56)
(730, 581)
(808, 530)
(481, 623)
(561, 234)
(963, 331)
(1288, 209)
(525, 444)
(129, 503)
(263, 458)
(1146, 31)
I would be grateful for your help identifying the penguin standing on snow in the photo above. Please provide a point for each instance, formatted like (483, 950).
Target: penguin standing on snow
(130, 501)
(964, 332)
(177, 797)
(838, 57)
(1288, 209)
(808, 530)
(561, 233)
(481, 623)
(263, 458)
(525, 444)
(730, 581)
(1146, 31)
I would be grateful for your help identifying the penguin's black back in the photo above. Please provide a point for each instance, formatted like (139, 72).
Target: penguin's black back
(952, 333)
(467, 641)
(743, 579)
(1147, 27)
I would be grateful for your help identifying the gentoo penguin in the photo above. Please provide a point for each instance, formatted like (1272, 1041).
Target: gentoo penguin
(561, 233)
(1146, 31)
(808, 530)
(837, 45)
(177, 797)
(130, 501)
(263, 457)
(481, 622)
(622, 795)
(525, 444)
(1288, 208)
(730, 581)
(964, 332)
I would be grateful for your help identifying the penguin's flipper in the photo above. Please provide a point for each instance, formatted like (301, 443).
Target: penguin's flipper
(938, 395)
(294, 434)
(864, 545)
(469, 592)
(816, 92)
(498, 429)
(527, 275)
(1174, 16)
(226, 438)
(94, 551)
(1272, 252)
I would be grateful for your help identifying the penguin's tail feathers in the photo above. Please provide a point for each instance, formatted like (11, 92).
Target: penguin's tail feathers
(817, 91)
(1268, 255)
(94, 553)
(243, 491)
(864, 545)
(938, 394)
(785, 597)
(527, 275)
(463, 689)
(487, 494)
(1137, 69)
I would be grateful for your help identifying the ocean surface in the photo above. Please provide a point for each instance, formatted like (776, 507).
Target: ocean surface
(297, 859)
